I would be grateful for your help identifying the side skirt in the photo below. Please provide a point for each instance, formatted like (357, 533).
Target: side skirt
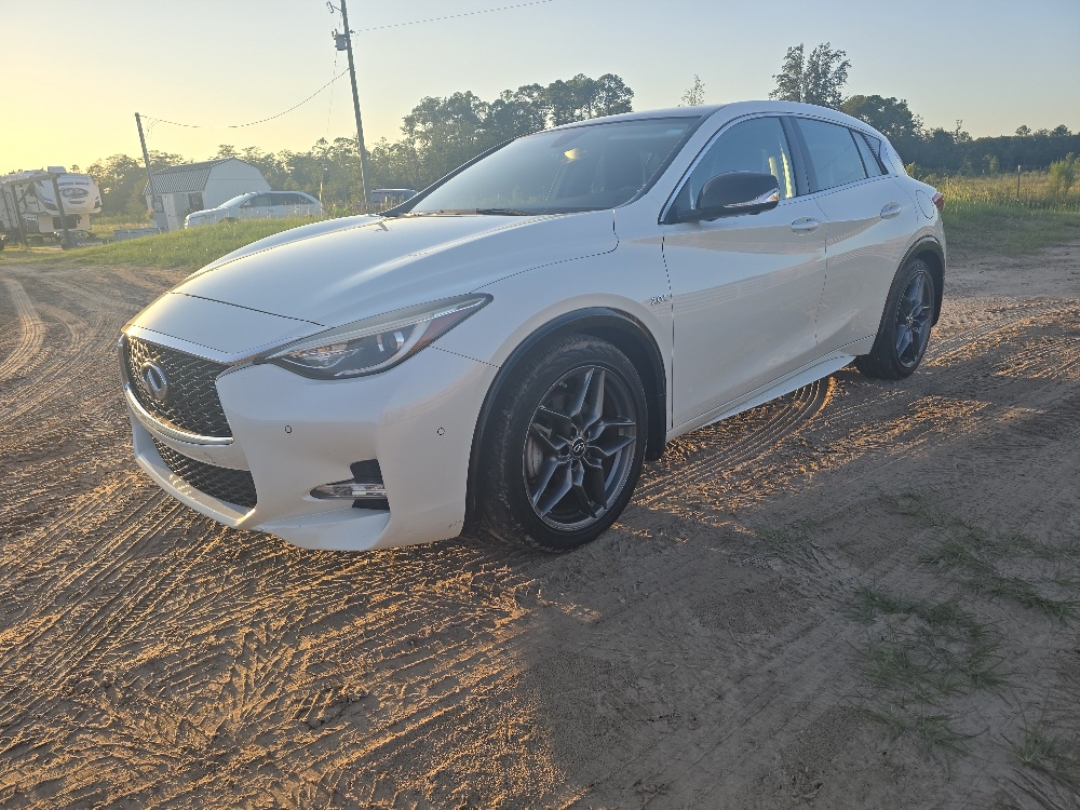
(815, 370)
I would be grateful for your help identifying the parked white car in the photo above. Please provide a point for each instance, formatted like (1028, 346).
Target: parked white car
(388, 197)
(258, 205)
(504, 351)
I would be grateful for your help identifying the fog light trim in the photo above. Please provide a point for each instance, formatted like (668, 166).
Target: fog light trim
(350, 491)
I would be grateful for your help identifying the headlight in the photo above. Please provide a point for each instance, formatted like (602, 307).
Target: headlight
(374, 344)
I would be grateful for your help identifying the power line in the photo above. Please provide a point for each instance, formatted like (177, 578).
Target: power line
(152, 121)
(451, 16)
(252, 123)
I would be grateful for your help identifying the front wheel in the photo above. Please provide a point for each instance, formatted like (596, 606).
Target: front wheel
(905, 327)
(565, 445)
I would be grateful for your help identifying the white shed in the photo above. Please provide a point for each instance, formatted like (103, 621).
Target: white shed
(191, 187)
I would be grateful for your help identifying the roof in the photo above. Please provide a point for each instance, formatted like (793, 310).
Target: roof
(186, 177)
(643, 115)
(734, 109)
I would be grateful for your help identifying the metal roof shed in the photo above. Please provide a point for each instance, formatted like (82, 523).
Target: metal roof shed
(191, 187)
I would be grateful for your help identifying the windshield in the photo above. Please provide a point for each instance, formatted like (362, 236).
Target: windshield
(237, 200)
(585, 168)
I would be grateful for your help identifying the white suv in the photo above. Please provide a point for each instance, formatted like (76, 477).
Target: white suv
(258, 205)
(503, 351)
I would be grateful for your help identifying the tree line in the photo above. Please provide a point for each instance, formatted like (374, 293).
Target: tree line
(819, 78)
(440, 134)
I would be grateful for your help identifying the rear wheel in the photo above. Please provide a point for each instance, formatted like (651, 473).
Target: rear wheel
(905, 328)
(565, 445)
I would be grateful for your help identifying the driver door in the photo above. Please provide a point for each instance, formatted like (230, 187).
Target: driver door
(258, 207)
(745, 288)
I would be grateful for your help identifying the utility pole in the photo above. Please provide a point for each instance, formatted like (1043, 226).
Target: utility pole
(146, 160)
(356, 105)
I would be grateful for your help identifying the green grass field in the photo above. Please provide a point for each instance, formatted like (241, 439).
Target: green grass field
(179, 250)
(985, 214)
(982, 216)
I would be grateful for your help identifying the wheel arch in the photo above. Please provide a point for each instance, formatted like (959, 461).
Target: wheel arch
(620, 329)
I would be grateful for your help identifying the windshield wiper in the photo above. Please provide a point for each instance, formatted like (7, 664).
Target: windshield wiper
(505, 212)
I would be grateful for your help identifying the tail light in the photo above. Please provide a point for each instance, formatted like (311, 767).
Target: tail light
(939, 201)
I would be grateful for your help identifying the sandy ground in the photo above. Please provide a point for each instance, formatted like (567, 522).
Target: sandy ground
(861, 596)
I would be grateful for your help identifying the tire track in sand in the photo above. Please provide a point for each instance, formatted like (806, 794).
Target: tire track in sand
(31, 327)
(752, 434)
(757, 432)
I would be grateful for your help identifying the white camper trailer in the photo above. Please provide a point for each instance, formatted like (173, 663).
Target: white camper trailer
(29, 203)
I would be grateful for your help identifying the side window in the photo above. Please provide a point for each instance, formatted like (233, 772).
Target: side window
(875, 145)
(869, 159)
(833, 154)
(757, 145)
(259, 201)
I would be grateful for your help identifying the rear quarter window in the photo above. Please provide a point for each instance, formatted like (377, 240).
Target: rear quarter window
(869, 158)
(834, 156)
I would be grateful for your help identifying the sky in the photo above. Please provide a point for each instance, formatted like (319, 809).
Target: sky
(74, 72)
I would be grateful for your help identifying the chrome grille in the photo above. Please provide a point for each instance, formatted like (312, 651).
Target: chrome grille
(190, 400)
(233, 486)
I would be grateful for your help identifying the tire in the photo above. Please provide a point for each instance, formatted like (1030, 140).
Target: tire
(564, 445)
(905, 326)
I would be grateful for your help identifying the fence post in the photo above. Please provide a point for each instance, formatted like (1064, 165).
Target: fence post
(1018, 182)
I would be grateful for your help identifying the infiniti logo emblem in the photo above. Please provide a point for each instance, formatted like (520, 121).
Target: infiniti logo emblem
(154, 381)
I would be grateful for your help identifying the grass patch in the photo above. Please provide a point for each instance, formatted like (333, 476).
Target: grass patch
(975, 556)
(1021, 592)
(924, 651)
(933, 733)
(1040, 751)
(787, 540)
(921, 654)
(179, 250)
(925, 664)
(869, 602)
(974, 227)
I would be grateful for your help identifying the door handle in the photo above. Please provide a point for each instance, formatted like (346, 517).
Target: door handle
(805, 225)
(890, 210)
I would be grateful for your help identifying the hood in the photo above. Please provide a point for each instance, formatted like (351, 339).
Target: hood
(334, 272)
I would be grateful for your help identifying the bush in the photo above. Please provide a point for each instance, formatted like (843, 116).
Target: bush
(1063, 174)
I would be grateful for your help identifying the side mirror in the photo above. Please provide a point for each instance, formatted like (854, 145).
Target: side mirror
(735, 193)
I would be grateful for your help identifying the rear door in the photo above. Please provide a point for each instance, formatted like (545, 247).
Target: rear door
(745, 288)
(869, 223)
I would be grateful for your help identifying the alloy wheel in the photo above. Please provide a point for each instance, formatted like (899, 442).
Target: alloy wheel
(913, 315)
(579, 449)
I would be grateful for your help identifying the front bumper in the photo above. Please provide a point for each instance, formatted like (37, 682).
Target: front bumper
(294, 434)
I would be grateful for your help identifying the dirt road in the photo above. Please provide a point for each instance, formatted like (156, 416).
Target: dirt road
(864, 595)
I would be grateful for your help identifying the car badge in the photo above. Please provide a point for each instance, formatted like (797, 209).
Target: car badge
(154, 381)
